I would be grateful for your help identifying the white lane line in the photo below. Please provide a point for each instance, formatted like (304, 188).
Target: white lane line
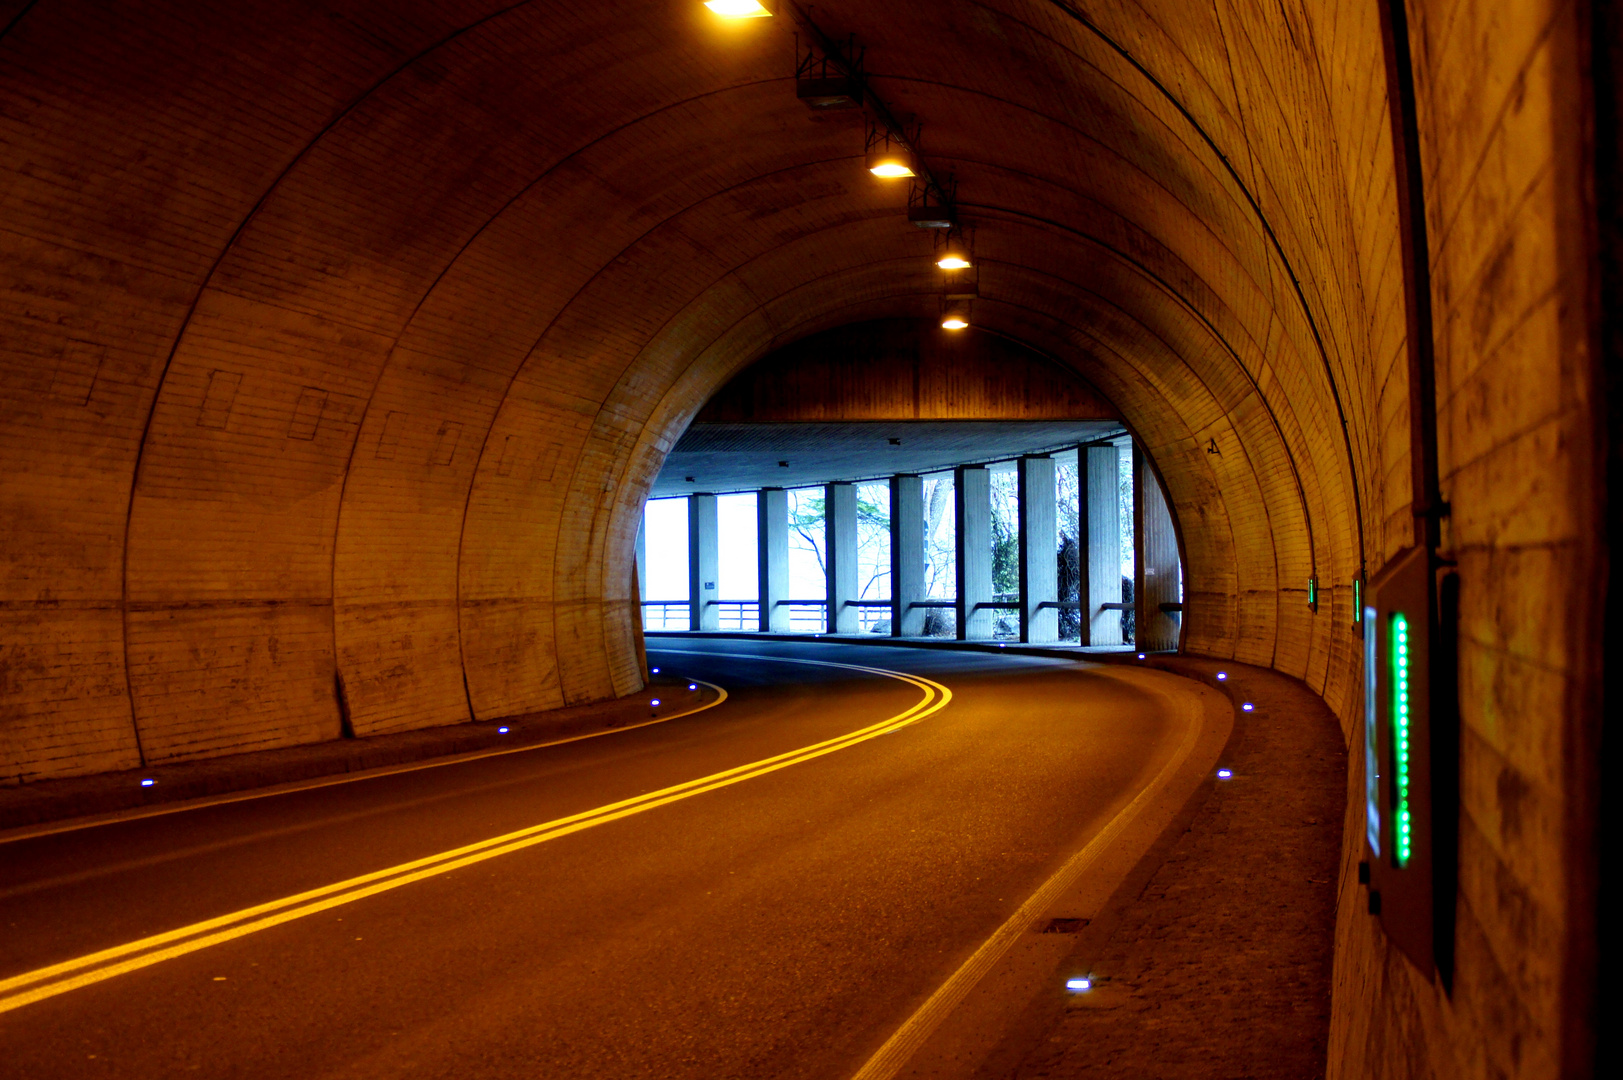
(46, 982)
(28, 832)
(907, 1039)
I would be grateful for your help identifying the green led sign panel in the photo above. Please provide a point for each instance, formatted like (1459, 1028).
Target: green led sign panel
(1402, 755)
(1400, 772)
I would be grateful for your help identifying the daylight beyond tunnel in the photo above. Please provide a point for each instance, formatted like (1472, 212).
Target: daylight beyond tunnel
(895, 477)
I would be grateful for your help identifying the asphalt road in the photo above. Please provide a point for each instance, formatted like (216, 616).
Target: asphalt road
(781, 926)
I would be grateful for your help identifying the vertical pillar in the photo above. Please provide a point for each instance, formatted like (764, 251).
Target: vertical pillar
(972, 515)
(642, 562)
(703, 561)
(840, 540)
(637, 635)
(906, 555)
(772, 558)
(1099, 537)
(1156, 564)
(1039, 545)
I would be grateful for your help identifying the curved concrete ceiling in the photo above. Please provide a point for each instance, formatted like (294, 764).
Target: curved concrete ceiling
(400, 307)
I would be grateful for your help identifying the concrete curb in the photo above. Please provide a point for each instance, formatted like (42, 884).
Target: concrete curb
(111, 793)
(47, 801)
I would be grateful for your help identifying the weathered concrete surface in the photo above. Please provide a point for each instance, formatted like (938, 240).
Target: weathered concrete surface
(1217, 961)
(50, 803)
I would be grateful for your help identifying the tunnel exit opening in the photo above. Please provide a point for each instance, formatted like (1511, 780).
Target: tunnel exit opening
(913, 483)
(1074, 545)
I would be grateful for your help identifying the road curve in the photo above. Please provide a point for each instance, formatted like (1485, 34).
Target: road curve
(783, 923)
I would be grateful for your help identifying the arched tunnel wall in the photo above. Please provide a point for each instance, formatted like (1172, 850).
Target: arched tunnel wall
(339, 343)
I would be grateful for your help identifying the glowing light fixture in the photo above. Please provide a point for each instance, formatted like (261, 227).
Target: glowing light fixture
(501, 731)
(888, 161)
(955, 256)
(654, 702)
(738, 9)
(955, 317)
(1248, 706)
(1076, 986)
(1225, 774)
(654, 670)
(1221, 675)
(148, 783)
(1141, 656)
(1403, 822)
(693, 686)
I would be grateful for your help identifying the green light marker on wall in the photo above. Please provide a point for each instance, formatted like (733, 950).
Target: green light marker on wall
(1402, 822)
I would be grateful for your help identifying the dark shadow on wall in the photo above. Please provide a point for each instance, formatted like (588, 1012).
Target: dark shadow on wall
(1607, 850)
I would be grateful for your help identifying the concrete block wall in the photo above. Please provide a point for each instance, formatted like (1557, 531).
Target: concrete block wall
(338, 349)
(1503, 120)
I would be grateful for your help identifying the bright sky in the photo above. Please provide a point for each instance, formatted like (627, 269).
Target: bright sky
(666, 526)
(737, 578)
(665, 534)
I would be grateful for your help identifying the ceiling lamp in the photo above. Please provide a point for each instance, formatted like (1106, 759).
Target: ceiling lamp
(887, 159)
(739, 9)
(955, 256)
(955, 317)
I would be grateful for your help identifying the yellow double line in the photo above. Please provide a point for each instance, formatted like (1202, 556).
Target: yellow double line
(32, 986)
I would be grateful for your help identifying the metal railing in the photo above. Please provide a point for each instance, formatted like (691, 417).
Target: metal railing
(870, 614)
(677, 614)
(807, 616)
(666, 615)
(811, 616)
(737, 614)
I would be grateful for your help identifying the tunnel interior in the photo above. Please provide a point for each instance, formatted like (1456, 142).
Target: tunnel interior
(344, 343)
(860, 476)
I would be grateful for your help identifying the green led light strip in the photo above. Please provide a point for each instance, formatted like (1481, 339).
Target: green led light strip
(1402, 824)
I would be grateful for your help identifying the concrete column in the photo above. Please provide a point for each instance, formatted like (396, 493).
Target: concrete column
(642, 562)
(772, 557)
(1039, 543)
(906, 555)
(840, 540)
(1156, 564)
(1099, 537)
(972, 516)
(703, 561)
